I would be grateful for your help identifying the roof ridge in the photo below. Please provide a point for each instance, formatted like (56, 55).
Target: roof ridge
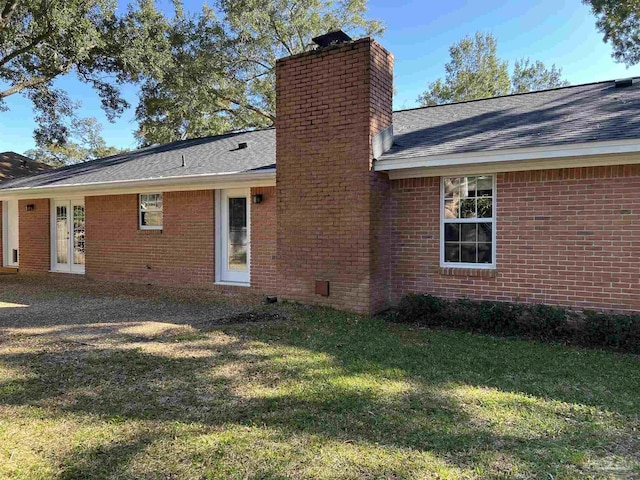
(505, 96)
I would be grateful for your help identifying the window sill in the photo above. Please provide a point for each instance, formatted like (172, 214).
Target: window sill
(66, 272)
(233, 284)
(469, 272)
(150, 231)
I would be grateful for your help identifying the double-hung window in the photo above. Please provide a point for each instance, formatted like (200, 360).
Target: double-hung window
(468, 222)
(150, 211)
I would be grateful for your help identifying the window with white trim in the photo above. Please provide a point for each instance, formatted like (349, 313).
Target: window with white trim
(467, 222)
(150, 211)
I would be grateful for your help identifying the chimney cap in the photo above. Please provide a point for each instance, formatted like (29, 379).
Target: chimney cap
(332, 38)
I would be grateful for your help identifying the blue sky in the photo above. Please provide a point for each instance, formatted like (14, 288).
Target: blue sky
(419, 34)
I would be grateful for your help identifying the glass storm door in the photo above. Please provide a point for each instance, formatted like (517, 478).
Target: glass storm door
(10, 232)
(234, 234)
(68, 248)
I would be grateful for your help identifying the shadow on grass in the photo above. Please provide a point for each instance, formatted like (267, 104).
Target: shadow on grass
(339, 377)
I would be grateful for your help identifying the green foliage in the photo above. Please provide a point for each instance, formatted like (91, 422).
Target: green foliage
(620, 332)
(530, 77)
(84, 143)
(222, 71)
(41, 40)
(619, 21)
(200, 74)
(475, 71)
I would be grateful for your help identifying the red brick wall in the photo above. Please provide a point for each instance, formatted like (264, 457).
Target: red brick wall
(263, 241)
(180, 254)
(330, 104)
(1, 236)
(34, 236)
(568, 237)
(183, 252)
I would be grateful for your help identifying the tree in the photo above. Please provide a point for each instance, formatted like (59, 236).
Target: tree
(619, 21)
(222, 74)
(530, 77)
(84, 143)
(41, 40)
(475, 71)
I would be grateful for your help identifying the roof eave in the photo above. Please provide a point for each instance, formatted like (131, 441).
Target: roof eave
(530, 158)
(257, 178)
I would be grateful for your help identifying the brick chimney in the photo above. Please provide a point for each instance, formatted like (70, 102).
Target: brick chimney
(332, 207)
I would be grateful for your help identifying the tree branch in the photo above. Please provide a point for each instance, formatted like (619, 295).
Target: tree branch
(34, 81)
(248, 106)
(8, 9)
(26, 48)
(277, 32)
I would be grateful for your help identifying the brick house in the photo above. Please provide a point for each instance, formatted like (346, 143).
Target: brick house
(531, 197)
(12, 166)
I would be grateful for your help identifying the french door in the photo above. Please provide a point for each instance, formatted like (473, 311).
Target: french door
(234, 245)
(68, 236)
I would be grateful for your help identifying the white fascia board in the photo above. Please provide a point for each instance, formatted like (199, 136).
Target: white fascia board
(517, 166)
(262, 178)
(511, 155)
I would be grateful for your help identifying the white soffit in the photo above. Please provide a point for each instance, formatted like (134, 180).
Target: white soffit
(618, 152)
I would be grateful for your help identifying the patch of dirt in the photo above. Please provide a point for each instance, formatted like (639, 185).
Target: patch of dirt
(254, 316)
(48, 301)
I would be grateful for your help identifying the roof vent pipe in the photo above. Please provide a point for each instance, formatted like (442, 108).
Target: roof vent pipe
(183, 162)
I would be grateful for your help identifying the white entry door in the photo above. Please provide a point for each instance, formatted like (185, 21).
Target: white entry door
(68, 236)
(234, 245)
(10, 234)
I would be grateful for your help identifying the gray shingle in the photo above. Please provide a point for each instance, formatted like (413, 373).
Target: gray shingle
(13, 165)
(209, 155)
(584, 113)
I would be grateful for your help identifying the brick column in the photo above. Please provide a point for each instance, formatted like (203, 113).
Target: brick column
(331, 206)
(35, 236)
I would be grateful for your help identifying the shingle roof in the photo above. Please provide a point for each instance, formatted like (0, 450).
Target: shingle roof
(13, 165)
(209, 155)
(583, 113)
(579, 114)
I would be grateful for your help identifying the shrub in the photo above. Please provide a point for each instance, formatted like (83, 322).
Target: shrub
(538, 321)
(621, 332)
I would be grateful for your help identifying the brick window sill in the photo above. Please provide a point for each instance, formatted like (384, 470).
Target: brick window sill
(469, 272)
(143, 231)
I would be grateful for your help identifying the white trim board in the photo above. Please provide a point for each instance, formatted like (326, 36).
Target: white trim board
(536, 158)
(219, 242)
(264, 178)
(516, 166)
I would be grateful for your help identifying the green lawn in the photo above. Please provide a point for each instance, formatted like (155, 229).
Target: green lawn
(316, 394)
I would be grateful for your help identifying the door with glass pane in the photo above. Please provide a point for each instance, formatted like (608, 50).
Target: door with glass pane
(10, 233)
(69, 236)
(235, 236)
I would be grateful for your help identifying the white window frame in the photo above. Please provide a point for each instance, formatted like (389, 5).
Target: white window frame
(443, 221)
(149, 227)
